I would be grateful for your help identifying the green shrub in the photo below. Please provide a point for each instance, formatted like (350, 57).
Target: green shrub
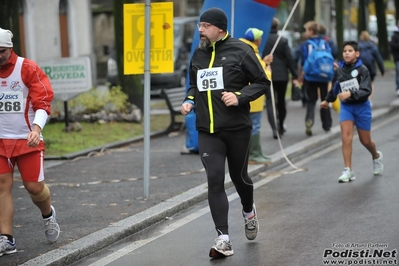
(93, 101)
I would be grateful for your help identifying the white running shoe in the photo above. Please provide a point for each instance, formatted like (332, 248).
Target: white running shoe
(251, 226)
(347, 175)
(6, 246)
(378, 167)
(222, 248)
(52, 229)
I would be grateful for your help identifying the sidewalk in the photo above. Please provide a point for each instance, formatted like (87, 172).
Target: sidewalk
(99, 199)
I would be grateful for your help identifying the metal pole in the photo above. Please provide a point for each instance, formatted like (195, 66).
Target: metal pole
(147, 95)
(66, 115)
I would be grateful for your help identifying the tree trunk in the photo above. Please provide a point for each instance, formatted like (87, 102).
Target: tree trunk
(131, 84)
(382, 28)
(339, 18)
(9, 19)
(397, 8)
(310, 11)
(361, 17)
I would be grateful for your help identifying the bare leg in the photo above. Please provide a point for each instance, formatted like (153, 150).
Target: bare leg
(372, 91)
(347, 137)
(35, 188)
(365, 139)
(6, 203)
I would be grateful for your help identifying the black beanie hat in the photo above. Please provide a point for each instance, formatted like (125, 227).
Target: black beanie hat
(216, 17)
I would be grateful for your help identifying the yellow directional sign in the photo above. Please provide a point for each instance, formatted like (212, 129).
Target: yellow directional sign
(161, 36)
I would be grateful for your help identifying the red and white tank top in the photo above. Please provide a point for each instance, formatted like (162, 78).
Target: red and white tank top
(16, 113)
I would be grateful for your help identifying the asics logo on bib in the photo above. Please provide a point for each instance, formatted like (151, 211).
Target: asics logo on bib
(209, 74)
(8, 96)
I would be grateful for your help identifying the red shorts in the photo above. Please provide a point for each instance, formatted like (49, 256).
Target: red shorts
(29, 160)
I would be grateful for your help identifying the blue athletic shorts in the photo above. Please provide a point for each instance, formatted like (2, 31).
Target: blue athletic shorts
(360, 113)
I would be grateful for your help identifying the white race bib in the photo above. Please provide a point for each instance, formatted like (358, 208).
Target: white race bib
(11, 102)
(349, 85)
(210, 79)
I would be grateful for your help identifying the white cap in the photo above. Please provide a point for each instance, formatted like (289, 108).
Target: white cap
(5, 38)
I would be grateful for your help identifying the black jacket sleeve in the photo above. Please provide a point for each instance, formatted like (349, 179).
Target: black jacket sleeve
(364, 91)
(332, 94)
(290, 61)
(378, 58)
(259, 84)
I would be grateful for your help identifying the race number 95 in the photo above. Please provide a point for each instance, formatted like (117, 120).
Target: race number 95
(209, 84)
(210, 79)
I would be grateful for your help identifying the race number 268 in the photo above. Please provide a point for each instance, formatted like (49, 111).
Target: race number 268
(10, 107)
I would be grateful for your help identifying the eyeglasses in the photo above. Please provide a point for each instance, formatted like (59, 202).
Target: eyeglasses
(203, 25)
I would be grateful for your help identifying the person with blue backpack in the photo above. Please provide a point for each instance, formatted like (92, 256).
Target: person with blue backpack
(317, 70)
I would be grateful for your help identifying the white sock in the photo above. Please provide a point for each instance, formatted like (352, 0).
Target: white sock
(249, 214)
(225, 237)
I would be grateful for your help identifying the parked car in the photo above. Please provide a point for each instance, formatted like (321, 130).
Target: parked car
(373, 27)
(184, 28)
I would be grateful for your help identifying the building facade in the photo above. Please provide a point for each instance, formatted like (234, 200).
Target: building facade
(56, 28)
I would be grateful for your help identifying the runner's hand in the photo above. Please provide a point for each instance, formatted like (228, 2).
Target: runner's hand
(33, 139)
(186, 108)
(229, 98)
(324, 104)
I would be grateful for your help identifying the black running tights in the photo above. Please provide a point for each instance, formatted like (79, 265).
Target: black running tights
(214, 149)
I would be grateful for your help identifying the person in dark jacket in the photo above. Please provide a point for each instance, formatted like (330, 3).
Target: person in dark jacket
(282, 65)
(353, 88)
(225, 76)
(370, 55)
(297, 57)
(323, 35)
(394, 44)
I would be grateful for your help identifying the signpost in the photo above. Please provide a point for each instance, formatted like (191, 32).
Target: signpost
(69, 77)
(160, 49)
(148, 48)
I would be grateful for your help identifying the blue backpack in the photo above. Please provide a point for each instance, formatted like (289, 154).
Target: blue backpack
(319, 66)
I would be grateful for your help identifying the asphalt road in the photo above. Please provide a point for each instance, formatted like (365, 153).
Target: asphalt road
(306, 218)
(99, 198)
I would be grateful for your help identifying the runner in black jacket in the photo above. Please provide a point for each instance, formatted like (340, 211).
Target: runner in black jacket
(239, 67)
(225, 75)
(353, 88)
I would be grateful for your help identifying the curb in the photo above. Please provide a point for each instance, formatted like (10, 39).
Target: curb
(89, 244)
